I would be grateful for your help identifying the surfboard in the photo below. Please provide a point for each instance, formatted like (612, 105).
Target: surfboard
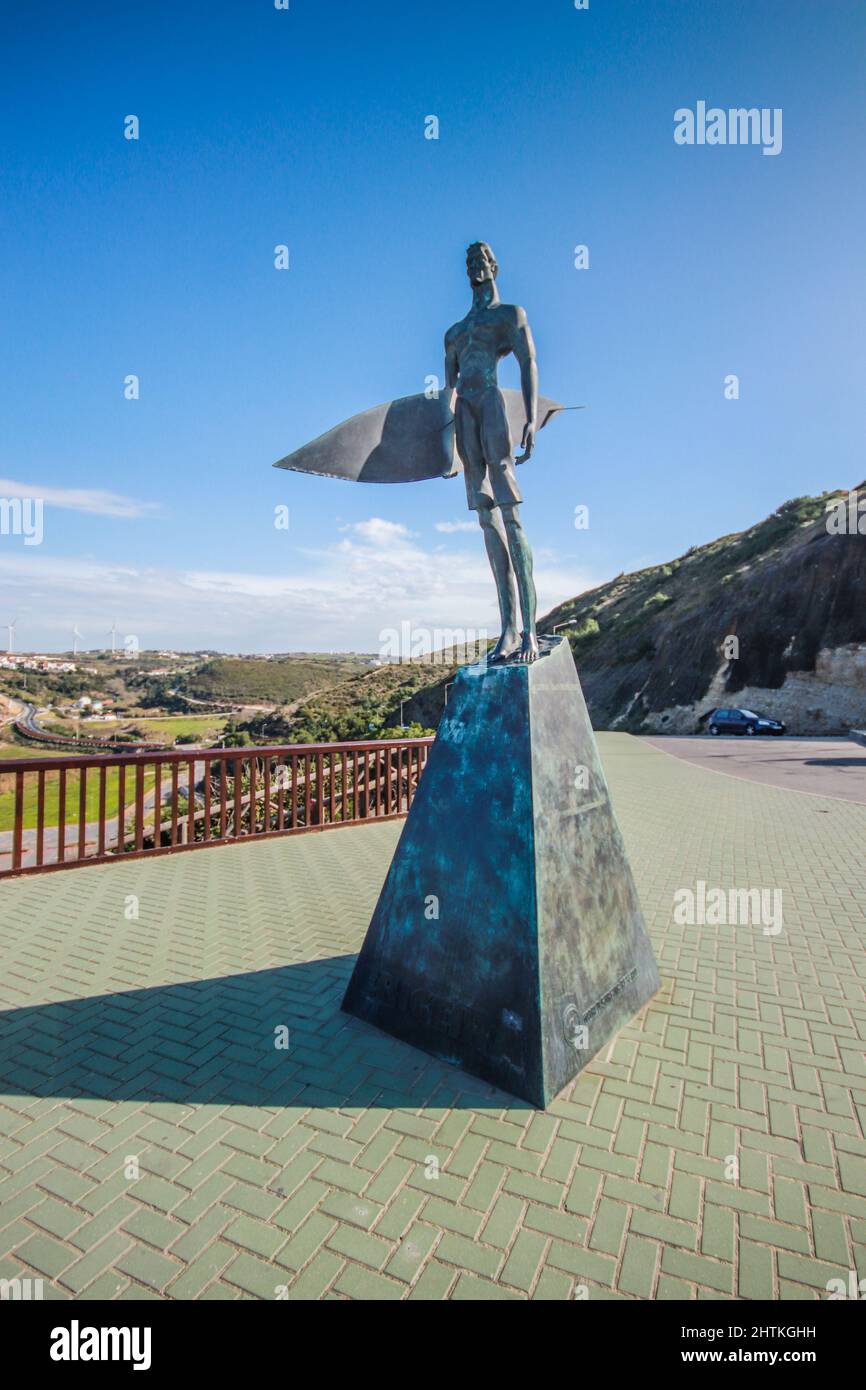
(402, 441)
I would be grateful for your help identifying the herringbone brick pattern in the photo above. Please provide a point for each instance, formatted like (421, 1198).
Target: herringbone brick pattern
(156, 1140)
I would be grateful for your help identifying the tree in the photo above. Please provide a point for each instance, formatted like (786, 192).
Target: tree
(237, 739)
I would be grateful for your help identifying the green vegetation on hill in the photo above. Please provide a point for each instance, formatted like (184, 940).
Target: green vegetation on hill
(48, 688)
(279, 680)
(366, 706)
(617, 613)
(650, 641)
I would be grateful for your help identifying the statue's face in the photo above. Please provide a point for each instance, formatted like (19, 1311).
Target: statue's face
(479, 265)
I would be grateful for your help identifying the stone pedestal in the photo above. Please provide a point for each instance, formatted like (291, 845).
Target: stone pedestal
(508, 937)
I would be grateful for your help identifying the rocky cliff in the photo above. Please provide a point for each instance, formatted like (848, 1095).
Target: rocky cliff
(772, 618)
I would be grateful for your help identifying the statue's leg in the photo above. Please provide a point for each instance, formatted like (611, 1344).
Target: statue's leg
(521, 559)
(496, 441)
(500, 563)
(478, 496)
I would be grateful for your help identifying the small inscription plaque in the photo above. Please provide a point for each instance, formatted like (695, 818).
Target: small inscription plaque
(574, 1023)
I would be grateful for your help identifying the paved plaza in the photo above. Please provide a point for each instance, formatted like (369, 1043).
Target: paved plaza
(157, 1140)
(824, 766)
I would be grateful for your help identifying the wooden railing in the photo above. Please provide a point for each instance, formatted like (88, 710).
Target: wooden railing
(60, 812)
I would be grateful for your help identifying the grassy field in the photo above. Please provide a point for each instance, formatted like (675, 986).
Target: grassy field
(52, 792)
(36, 750)
(205, 726)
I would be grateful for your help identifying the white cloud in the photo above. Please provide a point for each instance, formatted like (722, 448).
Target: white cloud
(450, 527)
(93, 500)
(379, 532)
(377, 575)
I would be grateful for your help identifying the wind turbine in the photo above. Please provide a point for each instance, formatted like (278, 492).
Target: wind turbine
(113, 635)
(76, 638)
(10, 628)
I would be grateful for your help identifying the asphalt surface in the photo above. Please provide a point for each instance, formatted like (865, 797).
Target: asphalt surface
(823, 766)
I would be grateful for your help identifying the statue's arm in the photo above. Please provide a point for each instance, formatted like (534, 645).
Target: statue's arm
(452, 371)
(523, 348)
(452, 364)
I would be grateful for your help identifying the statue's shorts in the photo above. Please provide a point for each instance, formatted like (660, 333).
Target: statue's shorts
(484, 445)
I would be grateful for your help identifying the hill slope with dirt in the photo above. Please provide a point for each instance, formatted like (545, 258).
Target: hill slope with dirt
(654, 648)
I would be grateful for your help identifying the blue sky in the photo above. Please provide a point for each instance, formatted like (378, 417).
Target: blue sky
(306, 127)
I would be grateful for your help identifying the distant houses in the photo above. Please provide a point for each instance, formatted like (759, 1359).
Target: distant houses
(37, 663)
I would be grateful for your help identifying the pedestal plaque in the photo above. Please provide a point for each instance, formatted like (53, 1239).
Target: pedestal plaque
(508, 937)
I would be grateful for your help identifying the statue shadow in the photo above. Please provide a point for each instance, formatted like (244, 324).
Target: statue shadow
(271, 1038)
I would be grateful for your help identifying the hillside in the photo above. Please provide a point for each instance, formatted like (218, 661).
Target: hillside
(367, 705)
(648, 645)
(276, 680)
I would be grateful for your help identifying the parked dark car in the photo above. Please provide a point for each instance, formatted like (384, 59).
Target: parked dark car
(742, 721)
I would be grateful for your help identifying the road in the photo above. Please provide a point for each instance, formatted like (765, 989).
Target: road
(833, 767)
(12, 709)
(27, 717)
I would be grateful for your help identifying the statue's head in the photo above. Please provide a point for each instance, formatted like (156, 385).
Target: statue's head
(480, 263)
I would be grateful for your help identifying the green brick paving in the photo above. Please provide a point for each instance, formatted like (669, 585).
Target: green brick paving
(156, 1139)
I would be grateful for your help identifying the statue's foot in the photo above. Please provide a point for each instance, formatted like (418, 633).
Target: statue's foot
(528, 647)
(508, 644)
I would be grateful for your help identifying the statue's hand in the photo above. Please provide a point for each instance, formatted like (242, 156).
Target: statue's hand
(528, 442)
